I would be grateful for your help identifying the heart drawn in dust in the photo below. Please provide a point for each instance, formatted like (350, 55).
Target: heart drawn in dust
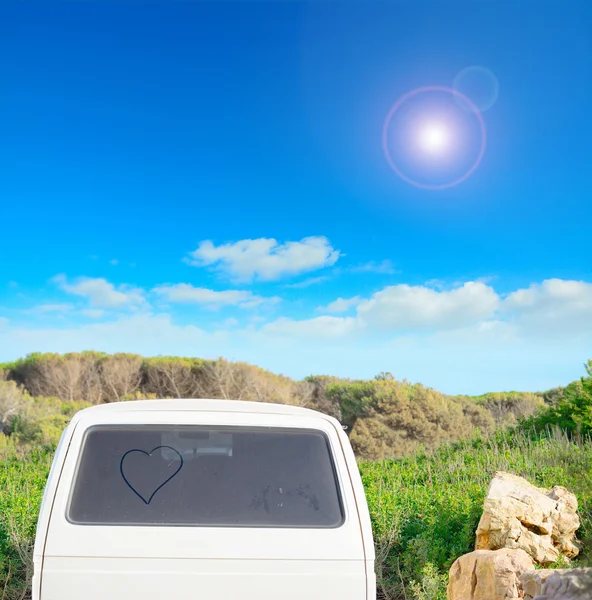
(131, 474)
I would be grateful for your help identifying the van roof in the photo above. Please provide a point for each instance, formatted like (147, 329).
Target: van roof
(202, 404)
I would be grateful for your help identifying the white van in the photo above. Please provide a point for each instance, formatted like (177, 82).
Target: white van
(204, 500)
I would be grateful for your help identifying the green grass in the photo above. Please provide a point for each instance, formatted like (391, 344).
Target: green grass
(424, 508)
(22, 480)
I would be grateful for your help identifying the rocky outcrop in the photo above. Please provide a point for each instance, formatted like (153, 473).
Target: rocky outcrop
(519, 515)
(532, 582)
(557, 584)
(566, 522)
(489, 575)
(522, 525)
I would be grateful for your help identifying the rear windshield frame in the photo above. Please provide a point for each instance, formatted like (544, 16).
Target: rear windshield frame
(160, 427)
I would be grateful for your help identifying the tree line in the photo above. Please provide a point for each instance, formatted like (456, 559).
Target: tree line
(384, 417)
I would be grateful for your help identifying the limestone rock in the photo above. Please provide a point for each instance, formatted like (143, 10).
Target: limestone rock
(489, 575)
(532, 581)
(520, 515)
(566, 521)
(559, 584)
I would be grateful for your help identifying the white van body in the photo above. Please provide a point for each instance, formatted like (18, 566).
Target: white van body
(204, 499)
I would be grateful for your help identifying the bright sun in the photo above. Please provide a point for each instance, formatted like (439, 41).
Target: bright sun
(433, 138)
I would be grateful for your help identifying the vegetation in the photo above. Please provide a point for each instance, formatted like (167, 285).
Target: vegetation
(22, 479)
(571, 412)
(385, 417)
(425, 508)
(426, 458)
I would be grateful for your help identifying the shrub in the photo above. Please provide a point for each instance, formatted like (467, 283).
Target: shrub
(388, 418)
(425, 490)
(41, 421)
(571, 412)
(508, 408)
(12, 400)
(432, 585)
(425, 508)
(22, 481)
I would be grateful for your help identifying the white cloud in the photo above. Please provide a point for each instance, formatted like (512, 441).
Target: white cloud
(93, 313)
(265, 258)
(307, 282)
(403, 308)
(552, 293)
(114, 262)
(149, 335)
(385, 267)
(487, 278)
(51, 308)
(187, 294)
(462, 340)
(340, 305)
(473, 360)
(229, 323)
(443, 284)
(437, 284)
(412, 308)
(101, 293)
(319, 327)
(556, 305)
(552, 308)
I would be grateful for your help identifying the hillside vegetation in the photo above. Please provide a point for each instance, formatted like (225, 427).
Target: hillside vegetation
(385, 418)
(425, 487)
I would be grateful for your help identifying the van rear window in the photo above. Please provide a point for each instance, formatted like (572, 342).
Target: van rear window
(198, 476)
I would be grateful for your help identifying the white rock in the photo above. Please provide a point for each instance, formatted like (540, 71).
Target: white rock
(519, 515)
(489, 575)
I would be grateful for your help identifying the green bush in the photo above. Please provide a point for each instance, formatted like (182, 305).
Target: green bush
(425, 508)
(571, 412)
(41, 421)
(22, 480)
(387, 418)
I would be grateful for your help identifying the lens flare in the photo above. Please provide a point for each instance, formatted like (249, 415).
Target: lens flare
(479, 84)
(434, 138)
(431, 142)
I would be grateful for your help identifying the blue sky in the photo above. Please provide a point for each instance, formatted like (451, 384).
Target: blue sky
(207, 178)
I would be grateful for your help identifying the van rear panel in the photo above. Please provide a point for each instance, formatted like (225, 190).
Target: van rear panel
(234, 507)
(159, 579)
